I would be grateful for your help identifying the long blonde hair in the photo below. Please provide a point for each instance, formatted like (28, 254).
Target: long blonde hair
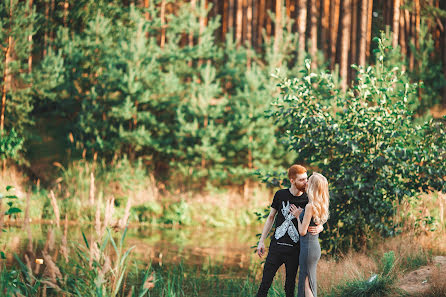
(318, 196)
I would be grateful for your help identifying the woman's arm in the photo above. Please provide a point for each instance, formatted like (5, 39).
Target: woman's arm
(303, 226)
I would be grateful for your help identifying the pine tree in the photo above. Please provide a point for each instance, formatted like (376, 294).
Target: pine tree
(17, 23)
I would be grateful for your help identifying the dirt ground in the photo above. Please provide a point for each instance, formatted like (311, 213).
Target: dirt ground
(418, 281)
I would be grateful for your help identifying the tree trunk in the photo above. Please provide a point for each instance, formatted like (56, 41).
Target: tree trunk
(146, 6)
(396, 21)
(231, 16)
(278, 26)
(66, 5)
(363, 32)
(7, 76)
(313, 32)
(334, 30)
(369, 28)
(345, 41)
(268, 20)
(53, 11)
(47, 26)
(239, 22)
(354, 39)
(225, 16)
(202, 20)
(30, 40)
(249, 22)
(402, 33)
(254, 22)
(417, 23)
(325, 31)
(163, 30)
(301, 27)
(412, 41)
(261, 22)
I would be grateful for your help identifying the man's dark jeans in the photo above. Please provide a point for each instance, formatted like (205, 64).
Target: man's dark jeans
(276, 257)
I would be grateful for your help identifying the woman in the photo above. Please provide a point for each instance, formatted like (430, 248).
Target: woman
(315, 213)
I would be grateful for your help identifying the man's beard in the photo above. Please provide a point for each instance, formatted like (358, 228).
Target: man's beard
(301, 188)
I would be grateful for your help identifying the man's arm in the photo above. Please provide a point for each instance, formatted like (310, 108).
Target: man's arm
(268, 224)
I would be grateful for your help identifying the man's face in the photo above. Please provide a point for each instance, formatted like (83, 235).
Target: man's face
(300, 181)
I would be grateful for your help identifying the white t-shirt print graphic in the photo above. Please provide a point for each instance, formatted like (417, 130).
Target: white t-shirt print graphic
(287, 226)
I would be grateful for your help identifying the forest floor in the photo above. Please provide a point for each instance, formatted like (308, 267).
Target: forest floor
(420, 280)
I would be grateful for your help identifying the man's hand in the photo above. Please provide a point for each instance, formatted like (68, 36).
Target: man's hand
(315, 229)
(261, 249)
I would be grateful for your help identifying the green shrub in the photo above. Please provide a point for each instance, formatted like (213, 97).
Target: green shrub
(365, 142)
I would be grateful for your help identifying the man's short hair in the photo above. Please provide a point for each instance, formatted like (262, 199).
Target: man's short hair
(295, 170)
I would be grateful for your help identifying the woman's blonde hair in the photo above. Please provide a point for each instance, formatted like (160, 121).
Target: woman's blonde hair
(318, 196)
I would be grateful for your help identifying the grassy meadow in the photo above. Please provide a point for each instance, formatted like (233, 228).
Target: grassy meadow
(102, 261)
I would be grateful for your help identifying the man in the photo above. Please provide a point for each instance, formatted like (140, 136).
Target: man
(285, 245)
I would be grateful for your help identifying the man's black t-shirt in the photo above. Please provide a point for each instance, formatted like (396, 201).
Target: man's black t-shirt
(286, 232)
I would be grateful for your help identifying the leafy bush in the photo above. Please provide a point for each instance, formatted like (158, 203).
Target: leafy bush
(10, 145)
(365, 142)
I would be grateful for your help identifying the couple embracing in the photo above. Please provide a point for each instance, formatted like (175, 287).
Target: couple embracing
(301, 211)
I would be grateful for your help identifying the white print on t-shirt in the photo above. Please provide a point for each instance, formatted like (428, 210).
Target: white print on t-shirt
(287, 225)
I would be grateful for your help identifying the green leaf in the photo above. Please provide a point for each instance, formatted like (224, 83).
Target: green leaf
(13, 210)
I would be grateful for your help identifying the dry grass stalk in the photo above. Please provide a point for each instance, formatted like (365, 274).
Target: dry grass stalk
(130, 294)
(351, 266)
(26, 219)
(49, 243)
(95, 254)
(52, 271)
(51, 285)
(64, 246)
(98, 218)
(55, 208)
(2, 216)
(92, 189)
(438, 282)
(442, 200)
(123, 221)
(150, 282)
(109, 209)
(30, 270)
(106, 267)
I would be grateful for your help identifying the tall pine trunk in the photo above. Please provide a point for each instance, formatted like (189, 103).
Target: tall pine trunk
(313, 31)
(30, 40)
(278, 26)
(301, 26)
(402, 33)
(163, 30)
(363, 32)
(369, 27)
(353, 38)
(261, 22)
(47, 26)
(345, 41)
(325, 30)
(334, 31)
(249, 19)
(7, 76)
(225, 16)
(396, 22)
(239, 21)
(231, 15)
